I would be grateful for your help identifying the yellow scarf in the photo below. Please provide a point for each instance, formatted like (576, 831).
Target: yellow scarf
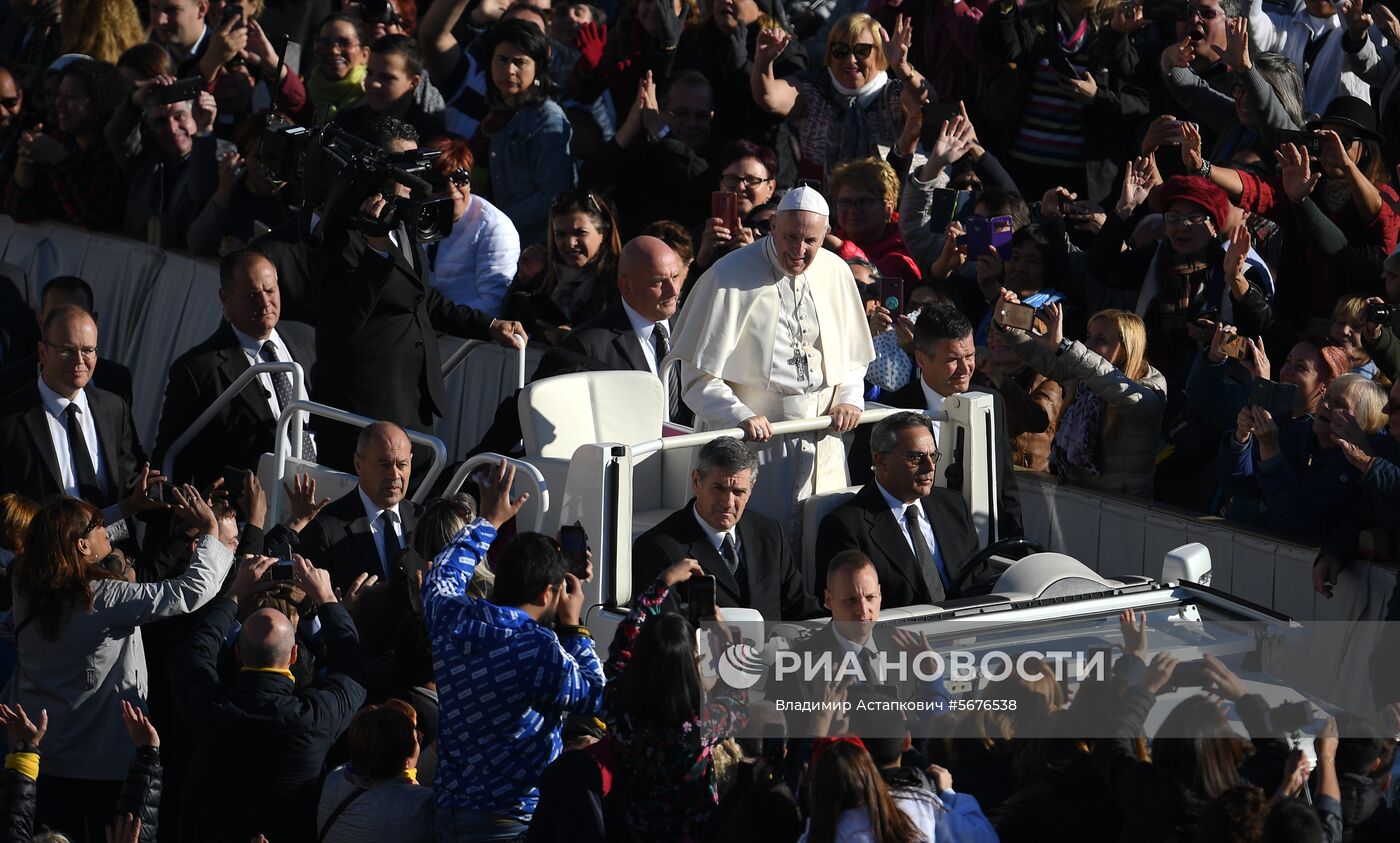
(331, 95)
(280, 671)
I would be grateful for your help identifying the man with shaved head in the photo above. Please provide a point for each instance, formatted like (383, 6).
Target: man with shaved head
(260, 731)
(362, 532)
(633, 334)
(62, 436)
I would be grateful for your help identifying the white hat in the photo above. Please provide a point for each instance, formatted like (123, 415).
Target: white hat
(805, 199)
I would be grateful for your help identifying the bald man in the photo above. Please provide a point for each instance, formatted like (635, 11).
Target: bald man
(260, 733)
(362, 532)
(62, 436)
(633, 334)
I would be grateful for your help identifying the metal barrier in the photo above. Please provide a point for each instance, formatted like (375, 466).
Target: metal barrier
(523, 470)
(239, 384)
(293, 410)
(782, 428)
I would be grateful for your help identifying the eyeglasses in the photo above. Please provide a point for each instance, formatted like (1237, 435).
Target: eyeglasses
(96, 522)
(1185, 220)
(916, 458)
(733, 181)
(67, 352)
(9, 102)
(841, 51)
(341, 43)
(863, 203)
(1204, 13)
(461, 178)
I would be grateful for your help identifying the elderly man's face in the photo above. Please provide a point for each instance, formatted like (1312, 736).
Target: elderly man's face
(653, 287)
(1206, 28)
(173, 127)
(384, 468)
(689, 110)
(908, 470)
(948, 370)
(251, 300)
(797, 235)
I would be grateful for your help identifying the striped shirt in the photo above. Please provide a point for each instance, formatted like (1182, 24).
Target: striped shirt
(505, 684)
(1052, 124)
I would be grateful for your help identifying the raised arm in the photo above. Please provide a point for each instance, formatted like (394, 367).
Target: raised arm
(441, 52)
(771, 93)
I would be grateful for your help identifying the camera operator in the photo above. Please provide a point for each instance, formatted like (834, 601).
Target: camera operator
(376, 339)
(1378, 336)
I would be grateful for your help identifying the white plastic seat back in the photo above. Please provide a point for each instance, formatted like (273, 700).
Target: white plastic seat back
(559, 414)
(329, 482)
(1049, 574)
(814, 509)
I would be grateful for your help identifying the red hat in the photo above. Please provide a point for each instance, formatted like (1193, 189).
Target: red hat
(1198, 191)
(820, 745)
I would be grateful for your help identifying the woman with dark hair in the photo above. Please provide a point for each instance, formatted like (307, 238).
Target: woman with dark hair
(144, 61)
(473, 265)
(1347, 183)
(376, 796)
(77, 626)
(521, 148)
(337, 81)
(67, 172)
(662, 725)
(750, 172)
(849, 801)
(579, 275)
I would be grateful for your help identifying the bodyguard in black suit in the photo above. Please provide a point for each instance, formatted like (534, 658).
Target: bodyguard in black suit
(633, 334)
(243, 430)
(376, 337)
(912, 569)
(746, 553)
(21, 363)
(946, 359)
(363, 531)
(90, 451)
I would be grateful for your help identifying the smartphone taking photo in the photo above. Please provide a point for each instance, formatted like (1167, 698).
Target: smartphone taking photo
(701, 600)
(573, 541)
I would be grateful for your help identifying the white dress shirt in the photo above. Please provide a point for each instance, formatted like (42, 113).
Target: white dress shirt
(716, 537)
(897, 508)
(644, 328)
(55, 409)
(933, 402)
(372, 512)
(252, 348)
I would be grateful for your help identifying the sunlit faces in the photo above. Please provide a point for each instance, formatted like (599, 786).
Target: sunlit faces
(339, 50)
(751, 181)
(388, 83)
(797, 235)
(577, 238)
(512, 72)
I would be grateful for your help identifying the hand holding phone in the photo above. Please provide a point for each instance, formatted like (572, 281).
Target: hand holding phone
(725, 205)
(180, 90)
(1230, 345)
(1014, 315)
(892, 294)
(573, 541)
(701, 599)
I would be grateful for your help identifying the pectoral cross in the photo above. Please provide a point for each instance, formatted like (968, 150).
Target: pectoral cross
(799, 360)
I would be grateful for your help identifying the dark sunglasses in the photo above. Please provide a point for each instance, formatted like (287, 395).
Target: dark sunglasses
(841, 51)
(97, 521)
(461, 178)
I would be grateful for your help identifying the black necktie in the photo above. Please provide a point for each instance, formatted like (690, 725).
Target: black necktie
(727, 553)
(86, 475)
(392, 545)
(927, 567)
(661, 337)
(282, 387)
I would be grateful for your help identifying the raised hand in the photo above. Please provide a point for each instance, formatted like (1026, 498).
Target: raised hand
(1237, 43)
(193, 509)
(771, 44)
(1133, 626)
(139, 726)
(1235, 260)
(302, 504)
(1180, 54)
(1137, 184)
(1128, 17)
(590, 41)
(20, 728)
(496, 505)
(896, 47)
(670, 21)
(1191, 156)
(1295, 169)
(1357, 19)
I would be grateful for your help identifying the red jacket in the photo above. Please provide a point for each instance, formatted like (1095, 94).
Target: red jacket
(888, 253)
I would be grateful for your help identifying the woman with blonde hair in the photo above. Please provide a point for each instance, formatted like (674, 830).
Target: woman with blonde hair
(865, 194)
(1111, 425)
(101, 29)
(847, 109)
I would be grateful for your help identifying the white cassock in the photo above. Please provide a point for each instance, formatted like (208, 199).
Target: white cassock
(756, 341)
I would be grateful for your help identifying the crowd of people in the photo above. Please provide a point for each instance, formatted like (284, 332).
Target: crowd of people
(1162, 236)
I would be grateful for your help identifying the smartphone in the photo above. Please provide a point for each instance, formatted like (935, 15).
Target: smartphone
(1311, 141)
(1190, 674)
(180, 90)
(1231, 345)
(281, 571)
(935, 115)
(234, 11)
(1166, 10)
(701, 599)
(234, 481)
(573, 541)
(948, 205)
(1275, 397)
(987, 233)
(156, 492)
(1062, 66)
(725, 205)
(1014, 315)
(892, 294)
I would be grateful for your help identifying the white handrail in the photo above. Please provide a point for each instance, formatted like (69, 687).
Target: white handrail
(292, 411)
(695, 440)
(460, 353)
(239, 384)
(522, 470)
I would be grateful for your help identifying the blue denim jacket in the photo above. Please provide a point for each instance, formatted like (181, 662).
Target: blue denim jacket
(530, 164)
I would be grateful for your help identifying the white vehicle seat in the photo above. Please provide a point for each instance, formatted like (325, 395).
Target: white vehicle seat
(1044, 575)
(329, 482)
(814, 509)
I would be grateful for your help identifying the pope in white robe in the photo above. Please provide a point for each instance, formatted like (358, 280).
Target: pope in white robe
(772, 332)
